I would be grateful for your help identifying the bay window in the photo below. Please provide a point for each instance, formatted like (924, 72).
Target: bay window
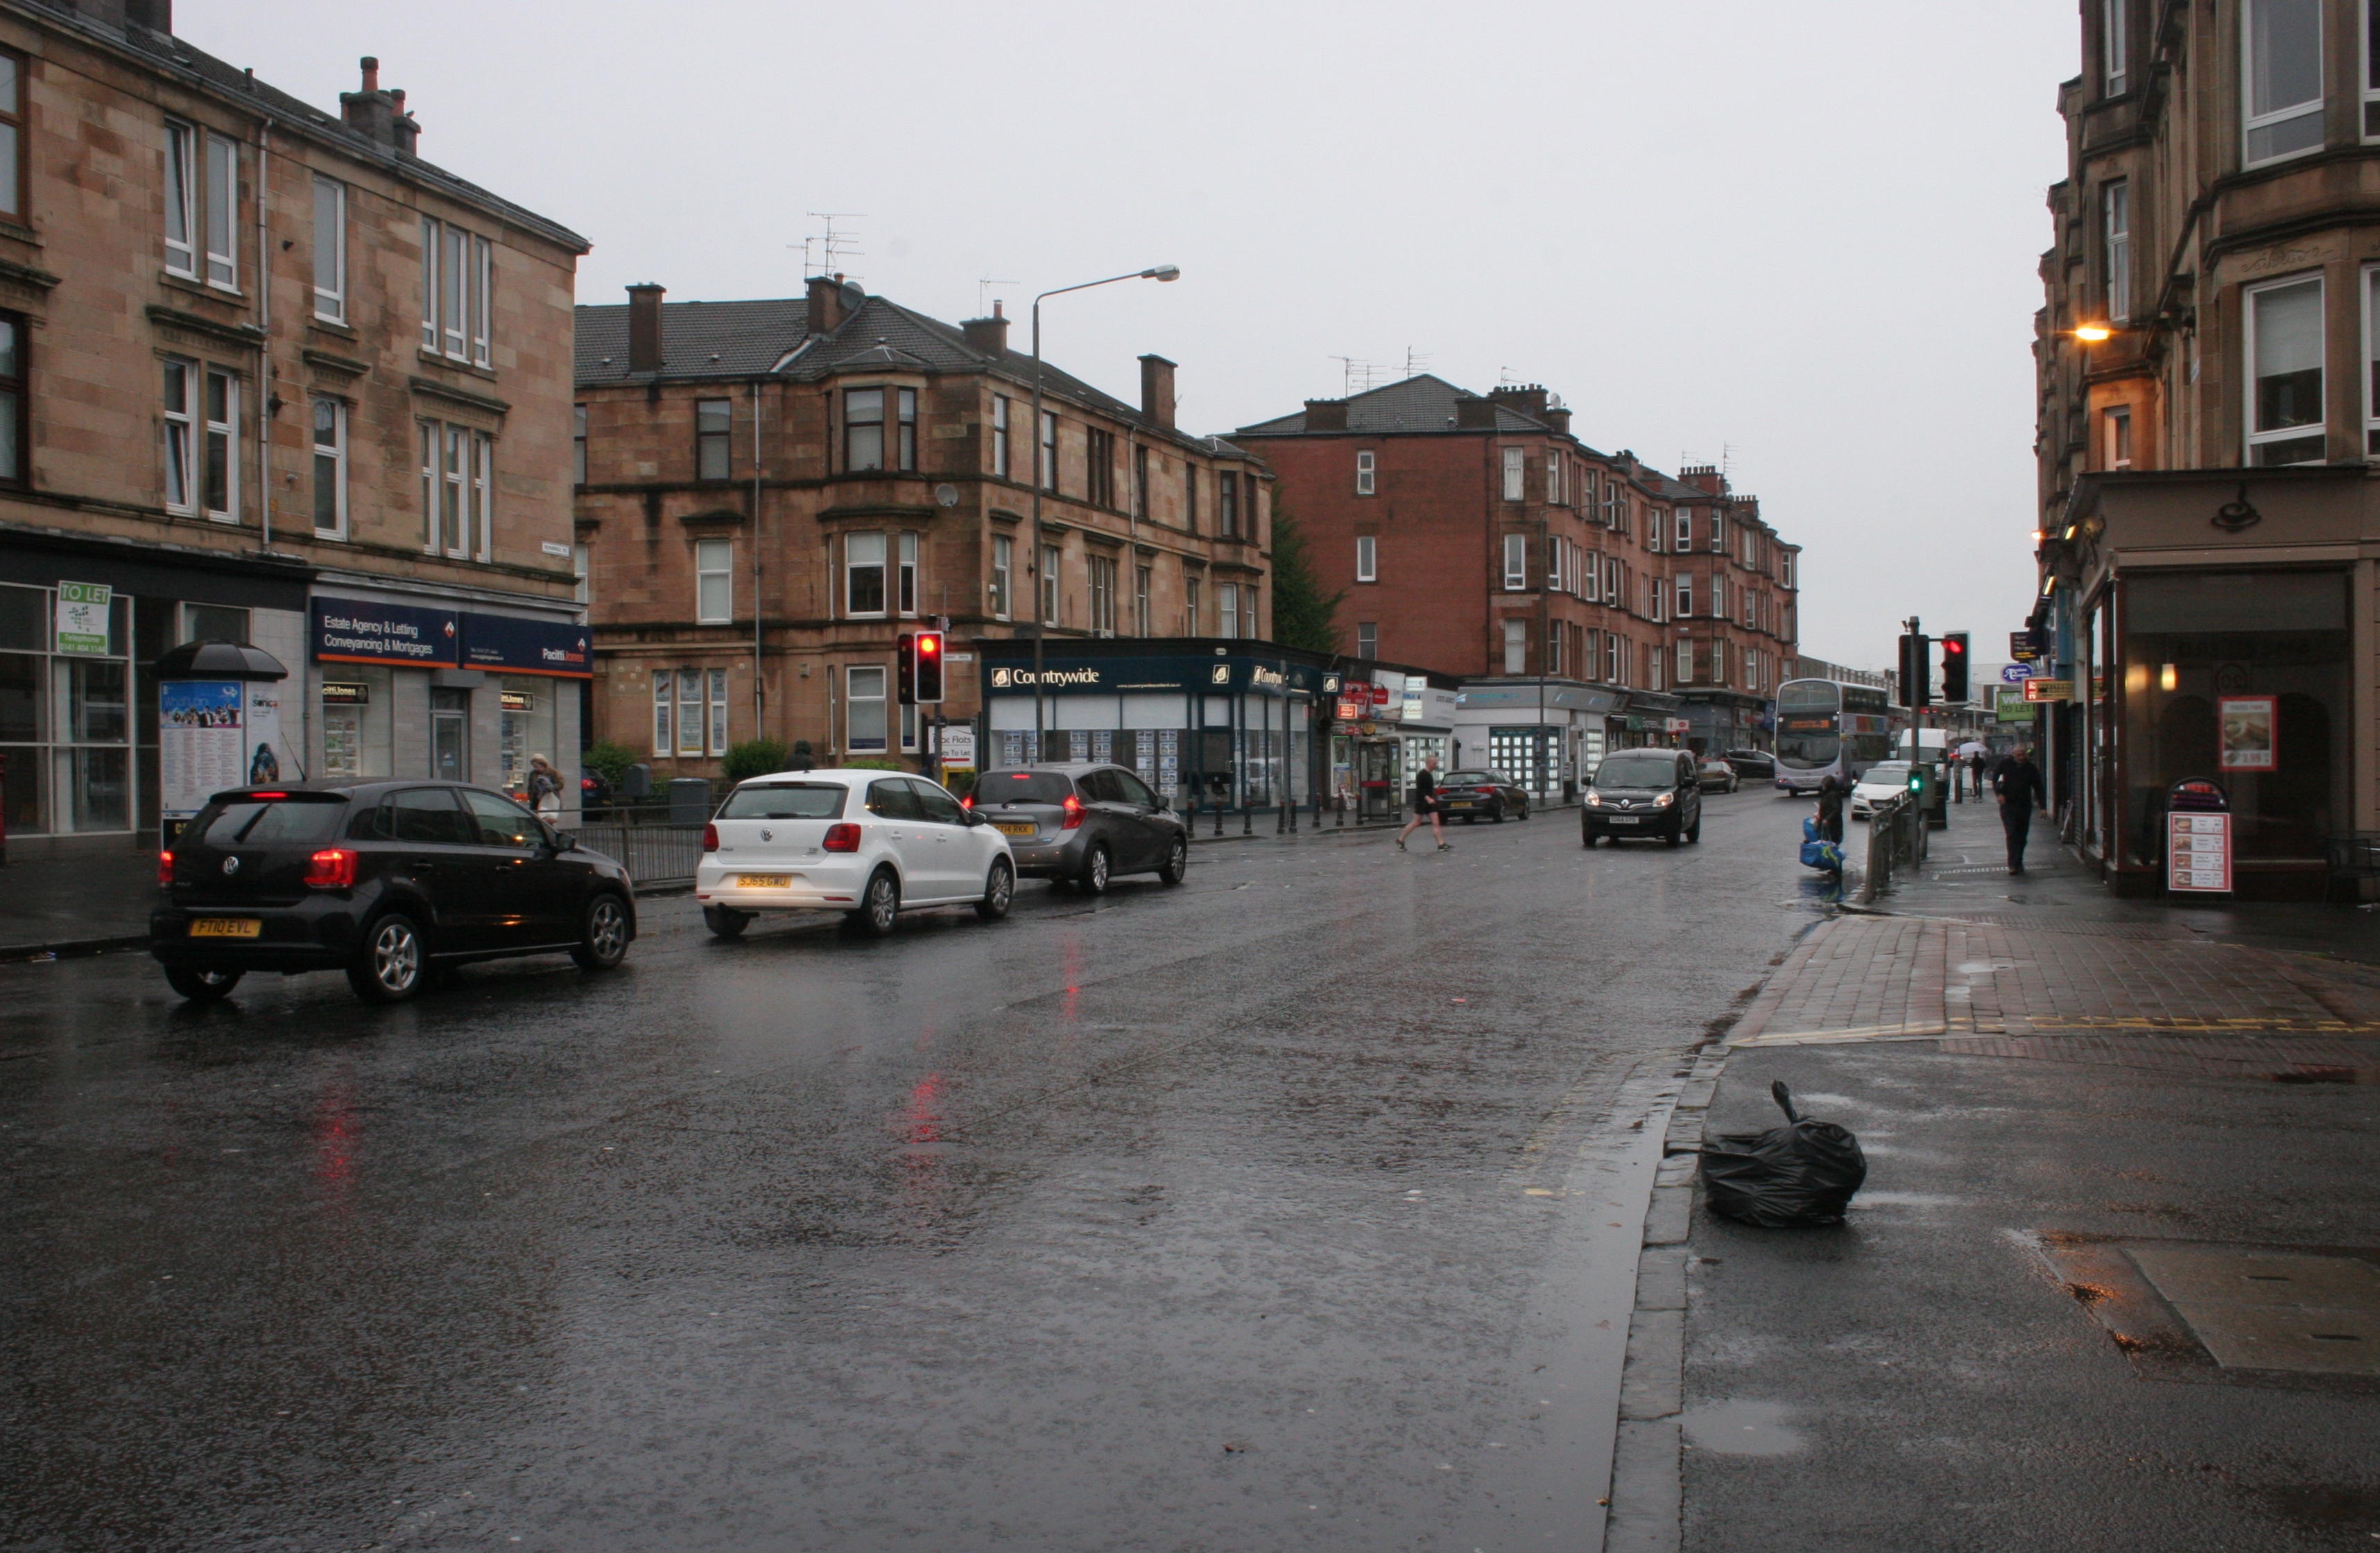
(863, 574)
(1514, 475)
(458, 274)
(1004, 565)
(2280, 61)
(2285, 347)
(863, 430)
(457, 489)
(1516, 562)
(864, 721)
(2116, 199)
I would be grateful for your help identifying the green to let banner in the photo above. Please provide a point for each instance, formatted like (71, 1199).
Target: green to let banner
(2012, 706)
(82, 619)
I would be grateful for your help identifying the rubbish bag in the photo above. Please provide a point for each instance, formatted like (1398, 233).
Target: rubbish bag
(1823, 855)
(1792, 1177)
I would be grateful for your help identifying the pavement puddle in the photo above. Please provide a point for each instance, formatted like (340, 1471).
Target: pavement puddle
(1741, 1429)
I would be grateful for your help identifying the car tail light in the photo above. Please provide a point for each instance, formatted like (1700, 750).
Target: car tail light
(710, 838)
(842, 838)
(165, 869)
(967, 802)
(1073, 813)
(334, 867)
(266, 798)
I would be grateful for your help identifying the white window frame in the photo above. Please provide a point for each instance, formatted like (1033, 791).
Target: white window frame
(431, 243)
(999, 453)
(1053, 569)
(1227, 611)
(1591, 579)
(481, 304)
(2252, 122)
(1685, 530)
(219, 200)
(181, 438)
(1685, 595)
(1191, 589)
(2371, 291)
(714, 581)
(483, 515)
(458, 286)
(1515, 474)
(718, 729)
(331, 261)
(227, 431)
(1516, 562)
(2114, 50)
(875, 676)
(1003, 576)
(1686, 664)
(1103, 569)
(336, 451)
(1367, 558)
(665, 714)
(1553, 475)
(454, 301)
(862, 550)
(1044, 452)
(1144, 587)
(911, 588)
(1516, 646)
(1367, 639)
(2116, 426)
(690, 707)
(181, 198)
(1615, 658)
(2116, 227)
(2316, 429)
(1718, 532)
(1718, 596)
(1366, 472)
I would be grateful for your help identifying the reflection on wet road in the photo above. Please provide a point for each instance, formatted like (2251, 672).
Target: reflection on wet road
(1240, 1215)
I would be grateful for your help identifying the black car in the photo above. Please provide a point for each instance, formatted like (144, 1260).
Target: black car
(1755, 765)
(389, 881)
(1083, 824)
(1472, 797)
(1643, 793)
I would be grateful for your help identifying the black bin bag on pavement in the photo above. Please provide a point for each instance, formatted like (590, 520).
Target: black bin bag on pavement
(1791, 1177)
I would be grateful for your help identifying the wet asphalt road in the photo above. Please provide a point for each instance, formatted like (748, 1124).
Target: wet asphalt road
(1282, 1210)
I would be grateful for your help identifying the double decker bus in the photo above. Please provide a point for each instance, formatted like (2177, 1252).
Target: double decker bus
(1828, 728)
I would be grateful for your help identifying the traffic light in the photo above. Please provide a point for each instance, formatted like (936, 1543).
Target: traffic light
(1954, 668)
(905, 656)
(928, 679)
(1916, 671)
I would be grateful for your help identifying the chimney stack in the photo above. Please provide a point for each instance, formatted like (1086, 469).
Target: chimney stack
(1529, 398)
(1558, 418)
(1156, 391)
(1474, 414)
(645, 328)
(1326, 415)
(376, 114)
(987, 334)
(831, 302)
(1705, 477)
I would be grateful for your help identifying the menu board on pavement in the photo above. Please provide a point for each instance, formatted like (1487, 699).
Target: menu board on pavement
(2198, 852)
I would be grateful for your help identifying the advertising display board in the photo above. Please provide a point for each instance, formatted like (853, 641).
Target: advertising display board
(2198, 839)
(82, 623)
(525, 646)
(366, 631)
(2249, 725)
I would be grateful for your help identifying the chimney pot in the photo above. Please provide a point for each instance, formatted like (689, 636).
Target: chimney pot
(372, 72)
(1156, 391)
(645, 328)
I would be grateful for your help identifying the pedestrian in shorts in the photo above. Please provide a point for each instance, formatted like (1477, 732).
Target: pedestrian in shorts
(1426, 807)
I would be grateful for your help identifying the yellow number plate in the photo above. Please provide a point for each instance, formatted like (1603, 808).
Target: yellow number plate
(1017, 829)
(763, 881)
(225, 927)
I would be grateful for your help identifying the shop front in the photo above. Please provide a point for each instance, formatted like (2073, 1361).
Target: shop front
(1386, 723)
(406, 686)
(1545, 736)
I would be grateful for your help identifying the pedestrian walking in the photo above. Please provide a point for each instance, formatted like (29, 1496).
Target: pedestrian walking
(544, 788)
(1426, 807)
(1830, 810)
(2019, 786)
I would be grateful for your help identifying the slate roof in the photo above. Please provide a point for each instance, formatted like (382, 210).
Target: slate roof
(175, 56)
(698, 339)
(1418, 404)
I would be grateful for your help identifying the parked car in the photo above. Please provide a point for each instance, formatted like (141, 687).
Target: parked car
(1083, 824)
(1886, 778)
(1475, 796)
(1642, 793)
(390, 882)
(1753, 765)
(869, 843)
(1715, 775)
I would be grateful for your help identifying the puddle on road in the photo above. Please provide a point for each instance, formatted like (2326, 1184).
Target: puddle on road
(1741, 1429)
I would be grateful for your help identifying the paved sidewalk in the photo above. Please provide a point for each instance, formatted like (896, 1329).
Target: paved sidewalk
(67, 905)
(2110, 1146)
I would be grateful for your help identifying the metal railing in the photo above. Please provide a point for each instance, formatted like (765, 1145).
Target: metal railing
(656, 855)
(1895, 839)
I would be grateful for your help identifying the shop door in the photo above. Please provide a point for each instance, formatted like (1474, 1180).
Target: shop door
(450, 735)
(1377, 766)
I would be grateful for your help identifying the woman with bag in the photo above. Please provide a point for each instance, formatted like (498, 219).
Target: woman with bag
(544, 788)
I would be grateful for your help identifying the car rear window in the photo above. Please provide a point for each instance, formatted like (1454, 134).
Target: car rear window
(1637, 770)
(1468, 778)
(1024, 787)
(785, 800)
(247, 822)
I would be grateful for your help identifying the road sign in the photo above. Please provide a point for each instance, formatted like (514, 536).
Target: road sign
(2049, 690)
(2016, 674)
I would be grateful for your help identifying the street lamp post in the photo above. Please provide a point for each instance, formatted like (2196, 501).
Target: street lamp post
(1042, 477)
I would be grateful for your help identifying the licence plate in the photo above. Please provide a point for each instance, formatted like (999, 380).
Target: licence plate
(1459, 804)
(226, 927)
(1621, 819)
(1017, 829)
(763, 881)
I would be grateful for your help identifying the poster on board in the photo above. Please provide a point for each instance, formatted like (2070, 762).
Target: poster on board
(2248, 730)
(201, 743)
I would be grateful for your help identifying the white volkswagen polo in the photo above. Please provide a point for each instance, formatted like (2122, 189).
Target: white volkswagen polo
(869, 843)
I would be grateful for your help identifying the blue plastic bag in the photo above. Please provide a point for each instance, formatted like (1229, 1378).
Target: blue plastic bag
(1823, 855)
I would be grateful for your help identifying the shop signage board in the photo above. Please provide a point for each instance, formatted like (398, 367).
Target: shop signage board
(508, 643)
(366, 631)
(2021, 647)
(515, 700)
(2016, 674)
(2250, 724)
(82, 619)
(1075, 671)
(2049, 690)
(958, 743)
(2011, 706)
(1352, 710)
(2198, 838)
(346, 694)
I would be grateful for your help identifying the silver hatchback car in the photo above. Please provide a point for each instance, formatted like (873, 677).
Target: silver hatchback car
(1083, 824)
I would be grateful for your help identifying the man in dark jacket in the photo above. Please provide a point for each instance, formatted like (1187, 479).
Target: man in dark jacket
(1830, 810)
(2020, 789)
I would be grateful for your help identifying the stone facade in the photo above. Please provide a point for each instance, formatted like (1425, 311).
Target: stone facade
(843, 556)
(201, 271)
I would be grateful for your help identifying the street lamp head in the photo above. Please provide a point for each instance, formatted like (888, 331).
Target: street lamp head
(2092, 334)
(1162, 273)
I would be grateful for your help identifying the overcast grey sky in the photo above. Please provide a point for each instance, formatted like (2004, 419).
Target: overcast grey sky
(1800, 237)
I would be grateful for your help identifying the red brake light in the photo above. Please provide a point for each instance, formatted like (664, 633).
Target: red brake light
(842, 838)
(1073, 813)
(266, 798)
(334, 867)
(710, 838)
(165, 869)
(967, 802)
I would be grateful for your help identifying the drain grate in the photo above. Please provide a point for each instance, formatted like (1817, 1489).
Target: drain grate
(2263, 1310)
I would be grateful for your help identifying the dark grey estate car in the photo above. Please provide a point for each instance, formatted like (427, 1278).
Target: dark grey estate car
(1643, 793)
(1083, 824)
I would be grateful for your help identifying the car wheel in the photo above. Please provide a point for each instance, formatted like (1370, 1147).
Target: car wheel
(1497, 816)
(726, 921)
(999, 889)
(1096, 868)
(201, 987)
(1675, 834)
(393, 963)
(1586, 838)
(1177, 862)
(1694, 831)
(879, 905)
(603, 935)
(1524, 811)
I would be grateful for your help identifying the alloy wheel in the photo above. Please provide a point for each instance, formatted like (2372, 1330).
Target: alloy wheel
(883, 904)
(395, 956)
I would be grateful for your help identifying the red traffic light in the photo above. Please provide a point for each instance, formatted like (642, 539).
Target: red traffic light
(929, 644)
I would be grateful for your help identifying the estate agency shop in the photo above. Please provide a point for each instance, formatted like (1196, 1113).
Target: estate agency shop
(406, 689)
(1226, 725)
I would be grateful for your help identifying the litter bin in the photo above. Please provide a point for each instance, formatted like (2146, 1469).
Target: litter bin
(689, 800)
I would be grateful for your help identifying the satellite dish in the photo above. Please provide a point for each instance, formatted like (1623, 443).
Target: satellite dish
(948, 495)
